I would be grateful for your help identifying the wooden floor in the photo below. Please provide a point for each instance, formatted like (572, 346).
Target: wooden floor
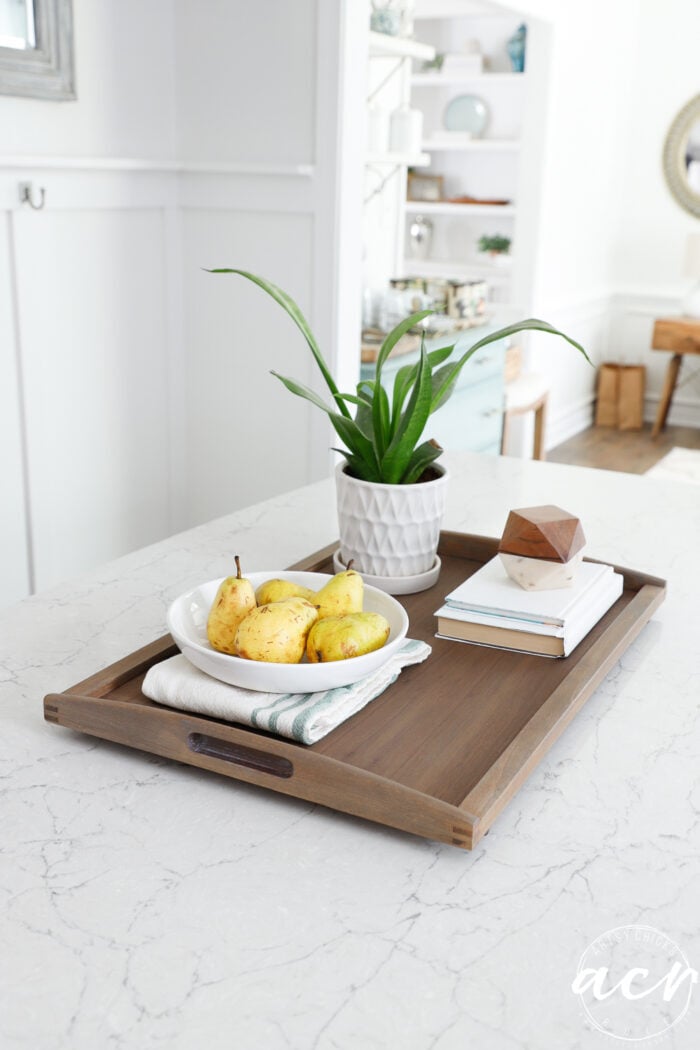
(632, 451)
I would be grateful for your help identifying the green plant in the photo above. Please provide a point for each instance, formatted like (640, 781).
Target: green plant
(497, 243)
(382, 440)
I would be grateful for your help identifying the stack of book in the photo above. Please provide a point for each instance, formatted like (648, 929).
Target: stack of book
(490, 609)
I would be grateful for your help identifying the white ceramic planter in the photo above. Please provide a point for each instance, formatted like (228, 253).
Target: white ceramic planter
(390, 530)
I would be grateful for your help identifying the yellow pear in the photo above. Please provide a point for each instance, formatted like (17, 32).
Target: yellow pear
(276, 633)
(234, 600)
(277, 590)
(342, 637)
(343, 594)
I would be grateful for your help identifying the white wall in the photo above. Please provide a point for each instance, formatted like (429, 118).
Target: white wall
(86, 467)
(612, 236)
(125, 87)
(260, 88)
(148, 404)
(584, 114)
(246, 80)
(648, 254)
(14, 552)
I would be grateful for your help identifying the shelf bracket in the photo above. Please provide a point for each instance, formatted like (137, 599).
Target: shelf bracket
(378, 189)
(389, 76)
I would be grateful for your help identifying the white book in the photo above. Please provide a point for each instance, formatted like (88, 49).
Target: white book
(524, 640)
(590, 599)
(489, 590)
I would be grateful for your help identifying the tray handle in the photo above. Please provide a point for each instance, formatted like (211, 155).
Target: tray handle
(240, 755)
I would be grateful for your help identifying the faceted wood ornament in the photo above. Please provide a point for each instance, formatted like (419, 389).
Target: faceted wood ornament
(542, 547)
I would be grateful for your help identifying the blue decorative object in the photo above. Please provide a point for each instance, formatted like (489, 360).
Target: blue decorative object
(385, 20)
(516, 49)
(466, 113)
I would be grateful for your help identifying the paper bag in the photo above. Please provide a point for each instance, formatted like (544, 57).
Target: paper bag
(606, 406)
(630, 402)
(620, 401)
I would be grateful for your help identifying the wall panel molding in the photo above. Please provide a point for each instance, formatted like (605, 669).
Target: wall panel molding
(205, 167)
(86, 192)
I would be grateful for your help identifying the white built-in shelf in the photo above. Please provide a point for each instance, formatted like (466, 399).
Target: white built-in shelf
(450, 79)
(476, 145)
(383, 46)
(409, 160)
(446, 208)
(447, 268)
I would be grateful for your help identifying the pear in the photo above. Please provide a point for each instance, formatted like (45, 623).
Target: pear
(343, 594)
(342, 637)
(234, 599)
(276, 633)
(277, 590)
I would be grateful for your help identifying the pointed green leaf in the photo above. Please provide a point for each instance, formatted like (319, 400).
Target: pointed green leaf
(410, 427)
(380, 418)
(356, 465)
(288, 304)
(441, 394)
(531, 325)
(422, 457)
(358, 444)
(405, 377)
(363, 416)
(303, 391)
(394, 336)
(402, 383)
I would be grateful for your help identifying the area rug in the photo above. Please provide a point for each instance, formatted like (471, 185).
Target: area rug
(680, 464)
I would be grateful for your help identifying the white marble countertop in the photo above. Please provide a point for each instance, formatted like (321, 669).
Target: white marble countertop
(149, 904)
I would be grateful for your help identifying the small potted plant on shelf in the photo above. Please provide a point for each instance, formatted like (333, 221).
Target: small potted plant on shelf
(496, 247)
(390, 488)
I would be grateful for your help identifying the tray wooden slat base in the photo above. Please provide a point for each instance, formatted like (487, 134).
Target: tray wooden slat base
(439, 754)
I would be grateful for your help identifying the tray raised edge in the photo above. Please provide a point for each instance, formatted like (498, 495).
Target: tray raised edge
(295, 770)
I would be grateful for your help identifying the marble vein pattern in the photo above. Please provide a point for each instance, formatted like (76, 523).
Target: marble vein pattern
(146, 904)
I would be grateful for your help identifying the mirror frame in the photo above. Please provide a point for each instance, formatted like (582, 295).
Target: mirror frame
(674, 156)
(45, 71)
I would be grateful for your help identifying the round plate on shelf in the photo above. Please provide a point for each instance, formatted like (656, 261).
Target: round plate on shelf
(466, 113)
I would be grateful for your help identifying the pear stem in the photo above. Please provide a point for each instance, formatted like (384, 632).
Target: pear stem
(238, 567)
(350, 565)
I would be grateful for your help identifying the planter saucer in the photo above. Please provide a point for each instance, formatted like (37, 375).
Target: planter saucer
(396, 584)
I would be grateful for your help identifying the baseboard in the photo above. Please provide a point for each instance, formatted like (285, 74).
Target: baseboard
(579, 416)
(685, 411)
(569, 421)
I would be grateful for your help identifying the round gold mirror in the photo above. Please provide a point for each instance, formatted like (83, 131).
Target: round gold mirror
(682, 157)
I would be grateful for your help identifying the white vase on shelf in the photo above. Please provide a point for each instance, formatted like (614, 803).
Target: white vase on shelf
(420, 235)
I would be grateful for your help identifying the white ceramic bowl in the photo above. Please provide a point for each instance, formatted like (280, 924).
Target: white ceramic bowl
(187, 623)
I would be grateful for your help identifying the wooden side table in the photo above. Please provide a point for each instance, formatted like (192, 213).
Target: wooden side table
(527, 393)
(681, 335)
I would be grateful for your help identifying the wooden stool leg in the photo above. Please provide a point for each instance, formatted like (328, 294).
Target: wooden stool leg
(540, 419)
(504, 433)
(674, 367)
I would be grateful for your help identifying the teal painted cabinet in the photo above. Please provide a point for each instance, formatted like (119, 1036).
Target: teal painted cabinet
(472, 419)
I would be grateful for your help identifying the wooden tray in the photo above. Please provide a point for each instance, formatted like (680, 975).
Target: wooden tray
(439, 754)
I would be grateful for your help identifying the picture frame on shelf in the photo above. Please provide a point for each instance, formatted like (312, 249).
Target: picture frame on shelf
(427, 188)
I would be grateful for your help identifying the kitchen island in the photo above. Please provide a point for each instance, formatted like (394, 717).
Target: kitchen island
(150, 904)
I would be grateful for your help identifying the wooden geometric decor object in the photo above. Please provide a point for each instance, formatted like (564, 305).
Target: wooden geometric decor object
(542, 547)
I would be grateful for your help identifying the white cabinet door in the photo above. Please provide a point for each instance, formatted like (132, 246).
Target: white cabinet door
(14, 555)
(92, 322)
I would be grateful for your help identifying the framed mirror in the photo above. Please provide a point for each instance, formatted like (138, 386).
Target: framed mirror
(681, 157)
(36, 48)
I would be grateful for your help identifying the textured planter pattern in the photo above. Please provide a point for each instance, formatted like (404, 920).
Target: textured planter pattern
(390, 530)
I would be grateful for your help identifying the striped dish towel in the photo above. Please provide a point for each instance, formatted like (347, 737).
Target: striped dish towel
(304, 717)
